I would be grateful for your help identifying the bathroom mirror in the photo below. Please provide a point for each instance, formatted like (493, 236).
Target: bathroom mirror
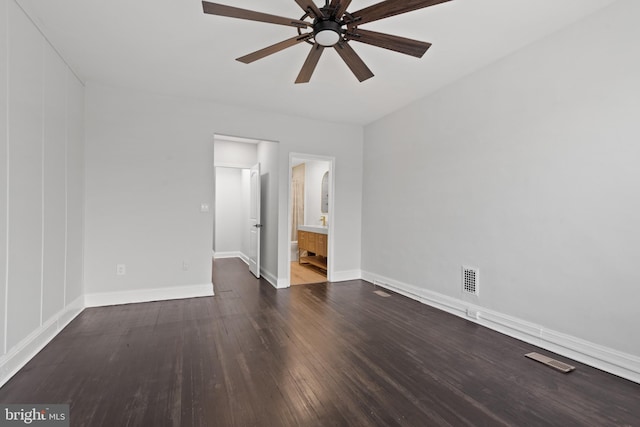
(324, 194)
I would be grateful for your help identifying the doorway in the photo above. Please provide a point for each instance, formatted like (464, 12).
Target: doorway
(310, 218)
(237, 213)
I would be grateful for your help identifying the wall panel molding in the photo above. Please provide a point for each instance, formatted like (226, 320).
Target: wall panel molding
(19, 355)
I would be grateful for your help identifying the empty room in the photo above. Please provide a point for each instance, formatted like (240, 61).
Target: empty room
(314, 213)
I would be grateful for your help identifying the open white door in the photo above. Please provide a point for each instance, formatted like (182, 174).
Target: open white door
(254, 221)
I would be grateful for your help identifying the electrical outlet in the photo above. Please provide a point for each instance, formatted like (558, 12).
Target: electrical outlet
(185, 265)
(121, 269)
(472, 314)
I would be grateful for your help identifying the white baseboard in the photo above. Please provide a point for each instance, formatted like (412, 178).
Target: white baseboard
(343, 276)
(271, 278)
(148, 295)
(607, 359)
(25, 350)
(234, 254)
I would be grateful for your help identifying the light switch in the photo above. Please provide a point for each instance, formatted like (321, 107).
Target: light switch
(121, 269)
(204, 207)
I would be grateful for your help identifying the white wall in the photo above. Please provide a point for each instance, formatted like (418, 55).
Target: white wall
(234, 154)
(314, 171)
(149, 169)
(231, 213)
(528, 170)
(41, 190)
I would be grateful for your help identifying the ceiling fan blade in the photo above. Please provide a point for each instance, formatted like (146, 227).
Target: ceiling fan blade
(387, 41)
(259, 54)
(340, 7)
(389, 8)
(310, 63)
(353, 61)
(310, 6)
(235, 12)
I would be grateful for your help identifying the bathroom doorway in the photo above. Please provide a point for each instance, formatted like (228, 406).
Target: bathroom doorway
(310, 218)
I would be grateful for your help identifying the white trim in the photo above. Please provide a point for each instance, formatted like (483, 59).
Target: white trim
(66, 188)
(43, 210)
(244, 258)
(607, 359)
(269, 277)
(8, 170)
(19, 355)
(344, 276)
(231, 254)
(232, 165)
(147, 295)
(232, 138)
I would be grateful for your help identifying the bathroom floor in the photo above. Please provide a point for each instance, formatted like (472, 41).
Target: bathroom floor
(302, 274)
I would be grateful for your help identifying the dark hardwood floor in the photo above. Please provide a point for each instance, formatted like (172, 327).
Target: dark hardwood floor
(311, 355)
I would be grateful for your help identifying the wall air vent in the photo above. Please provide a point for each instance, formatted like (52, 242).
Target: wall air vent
(470, 280)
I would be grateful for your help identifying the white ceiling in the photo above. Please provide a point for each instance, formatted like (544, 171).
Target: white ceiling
(171, 47)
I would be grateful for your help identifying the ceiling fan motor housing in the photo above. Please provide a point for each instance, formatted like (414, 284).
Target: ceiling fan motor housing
(326, 32)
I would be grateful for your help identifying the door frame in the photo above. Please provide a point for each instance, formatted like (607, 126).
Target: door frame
(330, 216)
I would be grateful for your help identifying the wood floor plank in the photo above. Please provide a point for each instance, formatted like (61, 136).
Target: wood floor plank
(304, 274)
(312, 355)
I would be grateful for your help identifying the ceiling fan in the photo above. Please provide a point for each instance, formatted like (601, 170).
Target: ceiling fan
(332, 26)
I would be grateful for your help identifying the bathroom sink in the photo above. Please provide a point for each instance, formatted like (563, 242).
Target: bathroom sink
(314, 229)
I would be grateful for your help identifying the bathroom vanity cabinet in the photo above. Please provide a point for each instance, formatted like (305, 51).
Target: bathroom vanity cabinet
(315, 244)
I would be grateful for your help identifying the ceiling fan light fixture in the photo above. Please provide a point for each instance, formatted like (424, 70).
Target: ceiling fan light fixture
(327, 38)
(326, 33)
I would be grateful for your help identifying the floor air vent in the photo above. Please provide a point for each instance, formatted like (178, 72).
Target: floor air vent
(555, 364)
(470, 280)
(382, 293)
